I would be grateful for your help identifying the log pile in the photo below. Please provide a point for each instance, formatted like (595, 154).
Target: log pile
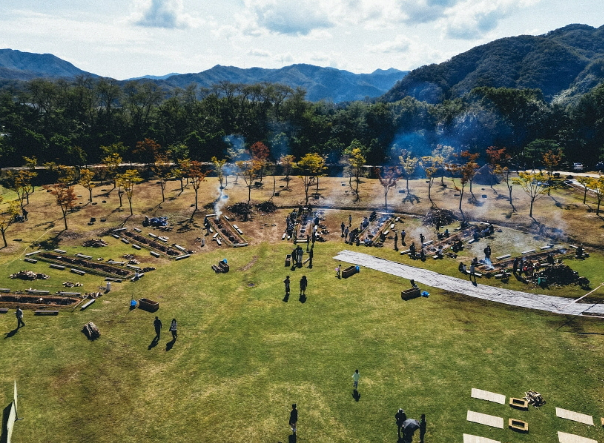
(91, 331)
(534, 398)
(440, 217)
(95, 243)
(562, 275)
(29, 275)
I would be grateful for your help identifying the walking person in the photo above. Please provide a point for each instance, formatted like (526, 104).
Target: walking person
(310, 256)
(338, 269)
(473, 269)
(19, 315)
(487, 252)
(25, 214)
(343, 226)
(403, 234)
(422, 428)
(157, 325)
(395, 241)
(293, 418)
(421, 238)
(400, 418)
(286, 282)
(173, 329)
(355, 380)
(346, 231)
(303, 285)
(349, 219)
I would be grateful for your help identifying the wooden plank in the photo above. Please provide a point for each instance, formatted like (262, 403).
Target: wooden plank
(43, 312)
(88, 303)
(30, 260)
(54, 266)
(488, 396)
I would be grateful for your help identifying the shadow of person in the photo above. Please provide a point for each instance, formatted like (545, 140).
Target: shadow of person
(286, 298)
(11, 333)
(154, 343)
(302, 298)
(292, 438)
(356, 395)
(170, 344)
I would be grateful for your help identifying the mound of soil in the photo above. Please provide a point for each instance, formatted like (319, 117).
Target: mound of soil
(441, 217)
(267, 207)
(241, 210)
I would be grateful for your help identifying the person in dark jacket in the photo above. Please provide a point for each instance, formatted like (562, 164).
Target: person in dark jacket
(157, 325)
(303, 285)
(286, 282)
(400, 417)
(293, 418)
(19, 315)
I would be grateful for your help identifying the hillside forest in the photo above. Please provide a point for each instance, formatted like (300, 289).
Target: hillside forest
(83, 121)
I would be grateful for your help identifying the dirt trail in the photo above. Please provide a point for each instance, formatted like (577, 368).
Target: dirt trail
(557, 305)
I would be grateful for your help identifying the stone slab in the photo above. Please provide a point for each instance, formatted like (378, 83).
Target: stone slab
(575, 416)
(563, 437)
(485, 419)
(467, 438)
(488, 396)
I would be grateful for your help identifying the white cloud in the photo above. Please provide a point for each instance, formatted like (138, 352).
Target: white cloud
(167, 14)
(258, 53)
(400, 44)
(292, 17)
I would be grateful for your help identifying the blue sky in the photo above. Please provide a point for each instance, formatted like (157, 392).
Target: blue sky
(129, 38)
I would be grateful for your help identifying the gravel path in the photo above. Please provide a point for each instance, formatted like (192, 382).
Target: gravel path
(557, 305)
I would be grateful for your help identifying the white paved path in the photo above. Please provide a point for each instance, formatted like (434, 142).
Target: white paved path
(558, 305)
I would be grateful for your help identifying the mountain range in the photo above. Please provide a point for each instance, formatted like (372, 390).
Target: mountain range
(563, 64)
(320, 83)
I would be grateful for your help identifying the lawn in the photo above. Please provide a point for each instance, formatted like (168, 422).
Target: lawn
(244, 355)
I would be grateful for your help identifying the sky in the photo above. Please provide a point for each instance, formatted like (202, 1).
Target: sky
(130, 38)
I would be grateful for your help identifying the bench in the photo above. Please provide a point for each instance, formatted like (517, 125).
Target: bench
(45, 312)
(410, 294)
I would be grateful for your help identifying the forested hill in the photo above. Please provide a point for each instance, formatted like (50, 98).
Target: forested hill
(319, 83)
(563, 64)
(18, 65)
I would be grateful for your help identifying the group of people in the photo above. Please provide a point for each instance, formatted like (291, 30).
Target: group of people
(303, 286)
(157, 324)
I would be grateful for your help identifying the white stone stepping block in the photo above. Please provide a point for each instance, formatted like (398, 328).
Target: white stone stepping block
(485, 419)
(467, 438)
(575, 416)
(488, 396)
(563, 437)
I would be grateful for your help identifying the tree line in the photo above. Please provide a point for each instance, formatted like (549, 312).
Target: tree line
(79, 122)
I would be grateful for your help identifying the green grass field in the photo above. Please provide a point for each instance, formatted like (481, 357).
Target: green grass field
(244, 355)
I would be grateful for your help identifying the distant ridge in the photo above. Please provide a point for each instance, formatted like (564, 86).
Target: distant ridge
(563, 64)
(320, 83)
(18, 65)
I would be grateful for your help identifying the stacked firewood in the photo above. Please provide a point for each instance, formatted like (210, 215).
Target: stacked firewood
(29, 275)
(534, 398)
(91, 331)
(94, 243)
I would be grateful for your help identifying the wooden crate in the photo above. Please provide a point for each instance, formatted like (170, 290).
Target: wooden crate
(410, 294)
(148, 305)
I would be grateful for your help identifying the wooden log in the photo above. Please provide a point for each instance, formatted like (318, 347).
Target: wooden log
(529, 251)
(180, 248)
(30, 260)
(152, 235)
(72, 294)
(117, 280)
(137, 247)
(60, 251)
(115, 236)
(180, 257)
(45, 312)
(37, 291)
(54, 266)
(154, 254)
(86, 257)
(134, 267)
(29, 254)
(125, 241)
(501, 257)
(138, 230)
(4, 290)
(77, 271)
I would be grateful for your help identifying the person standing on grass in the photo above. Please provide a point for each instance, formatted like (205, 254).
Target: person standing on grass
(293, 418)
(395, 241)
(343, 226)
(349, 219)
(157, 325)
(400, 418)
(422, 428)
(346, 231)
(286, 282)
(473, 269)
(19, 315)
(338, 270)
(310, 256)
(173, 329)
(421, 238)
(303, 285)
(355, 379)
(403, 234)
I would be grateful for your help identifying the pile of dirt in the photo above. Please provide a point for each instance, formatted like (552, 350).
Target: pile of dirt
(29, 275)
(268, 207)
(562, 275)
(94, 243)
(440, 217)
(241, 210)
